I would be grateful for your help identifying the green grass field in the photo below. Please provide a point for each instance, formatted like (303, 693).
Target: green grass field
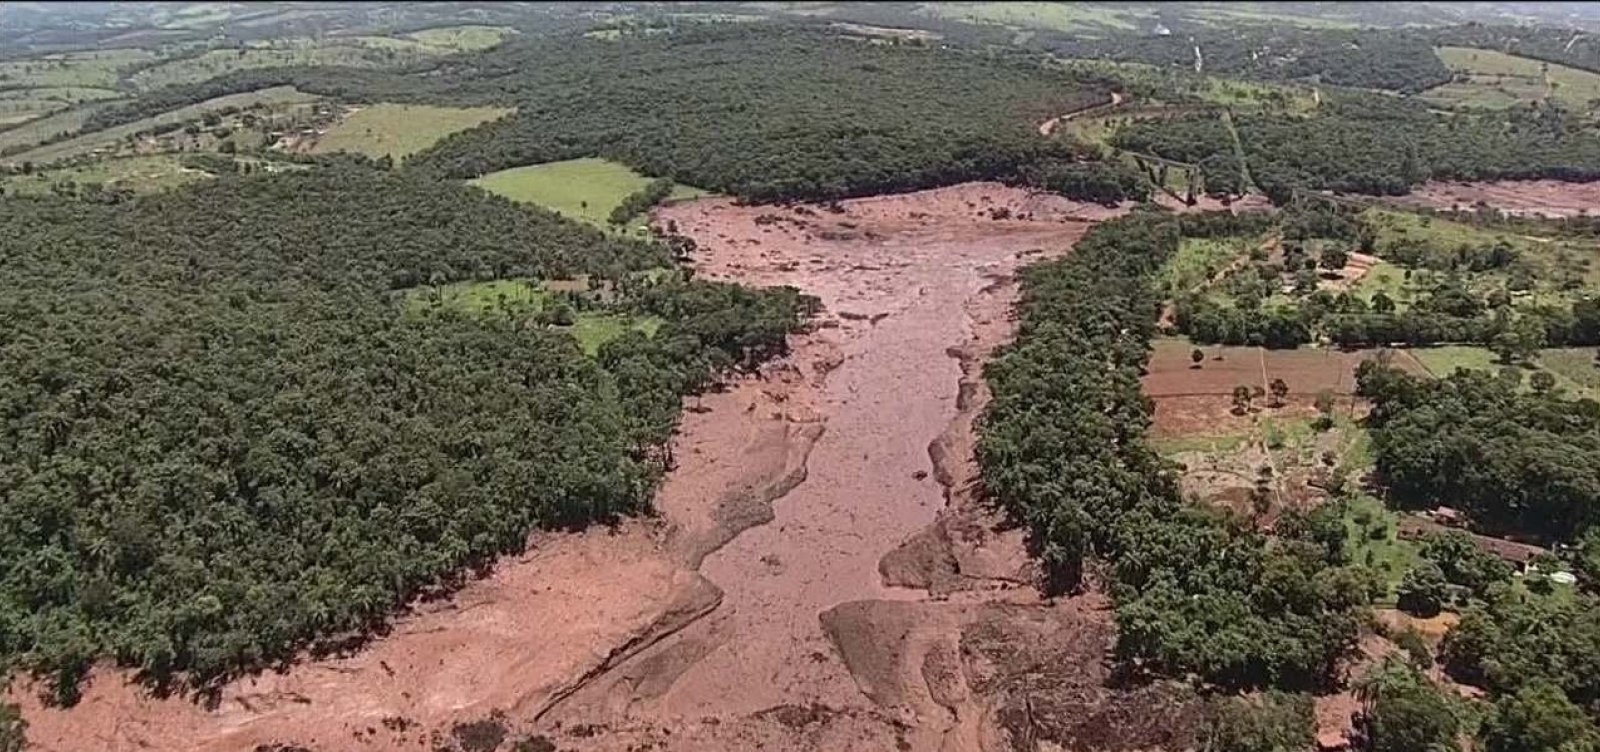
(1445, 360)
(110, 138)
(1397, 226)
(1056, 16)
(22, 105)
(462, 38)
(1197, 260)
(144, 174)
(399, 130)
(525, 297)
(1574, 367)
(99, 69)
(1372, 538)
(37, 131)
(1498, 80)
(352, 52)
(586, 189)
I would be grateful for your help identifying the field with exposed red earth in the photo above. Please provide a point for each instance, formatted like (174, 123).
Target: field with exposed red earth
(1197, 400)
(820, 575)
(1549, 198)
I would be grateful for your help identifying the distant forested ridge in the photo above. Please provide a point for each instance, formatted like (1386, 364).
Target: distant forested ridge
(222, 435)
(766, 112)
(1397, 60)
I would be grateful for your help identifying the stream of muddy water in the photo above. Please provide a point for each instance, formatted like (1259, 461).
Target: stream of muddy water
(754, 611)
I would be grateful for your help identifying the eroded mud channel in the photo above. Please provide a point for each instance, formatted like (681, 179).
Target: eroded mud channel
(820, 575)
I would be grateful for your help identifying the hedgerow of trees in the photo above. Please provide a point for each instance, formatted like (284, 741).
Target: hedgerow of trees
(222, 437)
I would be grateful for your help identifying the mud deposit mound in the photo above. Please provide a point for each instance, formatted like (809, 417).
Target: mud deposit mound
(755, 611)
(1549, 198)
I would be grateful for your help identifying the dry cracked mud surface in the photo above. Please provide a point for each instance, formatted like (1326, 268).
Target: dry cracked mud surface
(821, 574)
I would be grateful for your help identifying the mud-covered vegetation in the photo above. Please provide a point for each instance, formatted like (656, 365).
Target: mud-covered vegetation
(222, 435)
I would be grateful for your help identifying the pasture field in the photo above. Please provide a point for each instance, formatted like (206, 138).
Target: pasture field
(142, 174)
(466, 38)
(98, 69)
(1193, 401)
(399, 130)
(524, 297)
(1574, 368)
(1056, 16)
(38, 130)
(114, 138)
(1559, 266)
(1498, 80)
(353, 52)
(22, 105)
(586, 189)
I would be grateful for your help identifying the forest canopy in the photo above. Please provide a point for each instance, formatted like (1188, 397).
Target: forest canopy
(221, 436)
(765, 111)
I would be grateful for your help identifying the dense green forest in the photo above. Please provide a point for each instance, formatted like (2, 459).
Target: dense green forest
(221, 435)
(1373, 58)
(1062, 446)
(767, 113)
(1526, 463)
(1374, 144)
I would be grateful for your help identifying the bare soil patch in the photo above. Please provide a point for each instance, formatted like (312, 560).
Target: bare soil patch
(1194, 401)
(1550, 198)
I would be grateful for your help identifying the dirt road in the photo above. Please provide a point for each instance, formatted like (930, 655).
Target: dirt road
(820, 576)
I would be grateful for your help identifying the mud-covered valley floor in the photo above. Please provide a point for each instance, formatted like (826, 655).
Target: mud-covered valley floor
(819, 576)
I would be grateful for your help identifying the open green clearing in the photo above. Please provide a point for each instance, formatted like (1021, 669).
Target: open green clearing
(1574, 368)
(399, 130)
(1056, 16)
(277, 96)
(1496, 79)
(1372, 535)
(351, 52)
(523, 297)
(1198, 260)
(586, 189)
(37, 131)
(142, 174)
(100, 69)
(22, 105)
(462, 38)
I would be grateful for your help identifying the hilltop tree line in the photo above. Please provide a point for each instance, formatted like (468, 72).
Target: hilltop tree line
(1394, 59)
(222, 437)
(768, 113)
(1062, 447)
(1372, 144)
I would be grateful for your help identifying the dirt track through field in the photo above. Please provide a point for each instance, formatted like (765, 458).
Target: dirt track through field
(754, 612)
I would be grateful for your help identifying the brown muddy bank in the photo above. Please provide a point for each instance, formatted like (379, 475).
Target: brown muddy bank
(820, 575)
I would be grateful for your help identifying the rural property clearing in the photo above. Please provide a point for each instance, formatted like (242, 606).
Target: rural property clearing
(1496, 79)
(586, 189)
(400, 130)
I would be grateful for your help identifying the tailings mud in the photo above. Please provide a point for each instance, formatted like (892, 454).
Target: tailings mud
(821, 575)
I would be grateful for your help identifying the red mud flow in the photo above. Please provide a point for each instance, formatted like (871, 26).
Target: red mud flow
(820, 576)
